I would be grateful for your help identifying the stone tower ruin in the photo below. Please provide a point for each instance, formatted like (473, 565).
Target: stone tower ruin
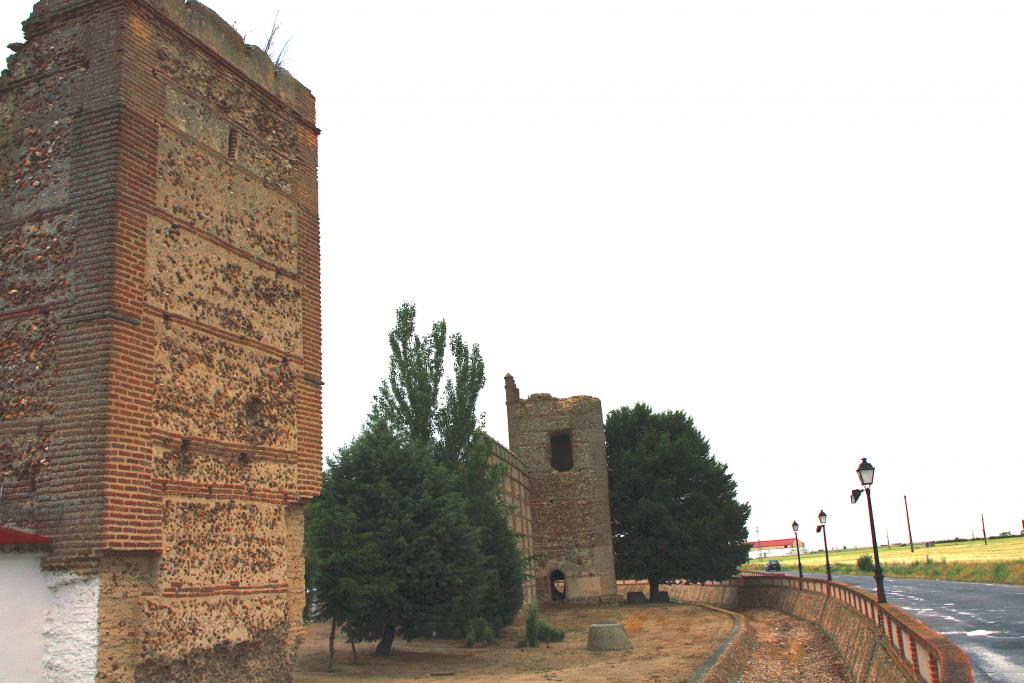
(562, 442)
(159, 344)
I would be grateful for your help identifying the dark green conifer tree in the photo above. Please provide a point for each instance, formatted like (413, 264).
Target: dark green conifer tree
(346, 575)
(410, 520)
(416, 498)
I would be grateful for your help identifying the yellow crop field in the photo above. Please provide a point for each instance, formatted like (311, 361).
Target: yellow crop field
(999, 561)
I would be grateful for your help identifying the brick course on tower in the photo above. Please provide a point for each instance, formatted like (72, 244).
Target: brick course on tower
(159, 337)
(562, 442)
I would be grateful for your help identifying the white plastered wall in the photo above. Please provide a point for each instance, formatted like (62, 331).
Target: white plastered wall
(48, 620)
(24, 599)
(71, 627)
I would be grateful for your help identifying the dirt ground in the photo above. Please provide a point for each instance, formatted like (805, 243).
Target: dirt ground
(790, 649)
(669, 643)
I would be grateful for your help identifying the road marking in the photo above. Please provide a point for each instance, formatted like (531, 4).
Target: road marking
(997, 666)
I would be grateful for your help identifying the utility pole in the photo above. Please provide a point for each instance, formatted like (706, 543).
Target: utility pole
(984, 534)
(887, 543)
(909, 533)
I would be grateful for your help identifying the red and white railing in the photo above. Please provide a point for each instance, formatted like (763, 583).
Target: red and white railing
(932, 657)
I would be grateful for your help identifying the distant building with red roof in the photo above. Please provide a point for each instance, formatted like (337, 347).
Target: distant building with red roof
(774, 548)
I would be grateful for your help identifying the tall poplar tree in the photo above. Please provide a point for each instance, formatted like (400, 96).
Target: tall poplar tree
(412, 402)
(416, 496)
(409, 399)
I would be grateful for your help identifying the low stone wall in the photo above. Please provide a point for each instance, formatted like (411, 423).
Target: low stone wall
(878, 643)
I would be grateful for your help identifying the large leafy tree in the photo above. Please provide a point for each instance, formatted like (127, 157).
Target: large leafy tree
(674, 510)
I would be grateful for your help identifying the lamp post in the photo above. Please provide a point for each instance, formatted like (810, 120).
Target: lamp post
(867, 477)
(821, 527)
(796, 539)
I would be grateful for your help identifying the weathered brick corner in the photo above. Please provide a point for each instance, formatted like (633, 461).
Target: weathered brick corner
(160, 332)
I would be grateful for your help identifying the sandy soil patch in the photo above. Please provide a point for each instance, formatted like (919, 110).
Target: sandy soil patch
(669, 643)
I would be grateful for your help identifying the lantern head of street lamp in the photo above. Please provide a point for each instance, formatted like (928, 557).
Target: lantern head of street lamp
(866, 472)
(822, 516)
(796, 527)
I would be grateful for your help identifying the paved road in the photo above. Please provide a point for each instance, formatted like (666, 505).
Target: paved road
(986, 620)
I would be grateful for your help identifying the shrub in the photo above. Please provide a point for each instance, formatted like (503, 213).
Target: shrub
(479, 630)
(488, 634)
(549, 634)
(538, 631)
(864, 563)
(532, 619)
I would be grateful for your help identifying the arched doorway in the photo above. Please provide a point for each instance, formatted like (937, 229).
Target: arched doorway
(558, 587)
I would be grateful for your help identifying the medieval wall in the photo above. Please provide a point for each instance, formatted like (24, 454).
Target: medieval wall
(515, 490)
(160, 330)
(569, 498)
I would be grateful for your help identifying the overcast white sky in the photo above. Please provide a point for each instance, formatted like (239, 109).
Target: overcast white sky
(800, 222)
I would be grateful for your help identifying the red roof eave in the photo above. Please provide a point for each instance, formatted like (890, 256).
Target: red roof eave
(15, 537)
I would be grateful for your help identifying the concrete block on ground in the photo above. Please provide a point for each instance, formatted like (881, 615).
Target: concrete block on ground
(607, 638)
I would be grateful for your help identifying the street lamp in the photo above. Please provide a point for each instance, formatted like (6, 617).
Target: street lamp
(866, 473)
(796, 538)
(821, 527)
(867, 477)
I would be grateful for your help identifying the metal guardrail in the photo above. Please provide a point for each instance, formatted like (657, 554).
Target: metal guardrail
(933, 658)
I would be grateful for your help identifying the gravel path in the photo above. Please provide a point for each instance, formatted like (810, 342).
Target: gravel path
(790, 649)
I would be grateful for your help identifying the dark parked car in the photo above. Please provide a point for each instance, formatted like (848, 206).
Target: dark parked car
(773, 566)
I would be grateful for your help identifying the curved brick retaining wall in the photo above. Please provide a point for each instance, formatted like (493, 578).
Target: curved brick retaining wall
(879, 643)
(726, 664)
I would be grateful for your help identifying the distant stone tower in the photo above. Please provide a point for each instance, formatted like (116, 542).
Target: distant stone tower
(159, 347)
(562, 442)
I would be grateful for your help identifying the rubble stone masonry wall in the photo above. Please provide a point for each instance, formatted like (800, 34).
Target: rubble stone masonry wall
(571, 514)
(515, 491)
(160, 330)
